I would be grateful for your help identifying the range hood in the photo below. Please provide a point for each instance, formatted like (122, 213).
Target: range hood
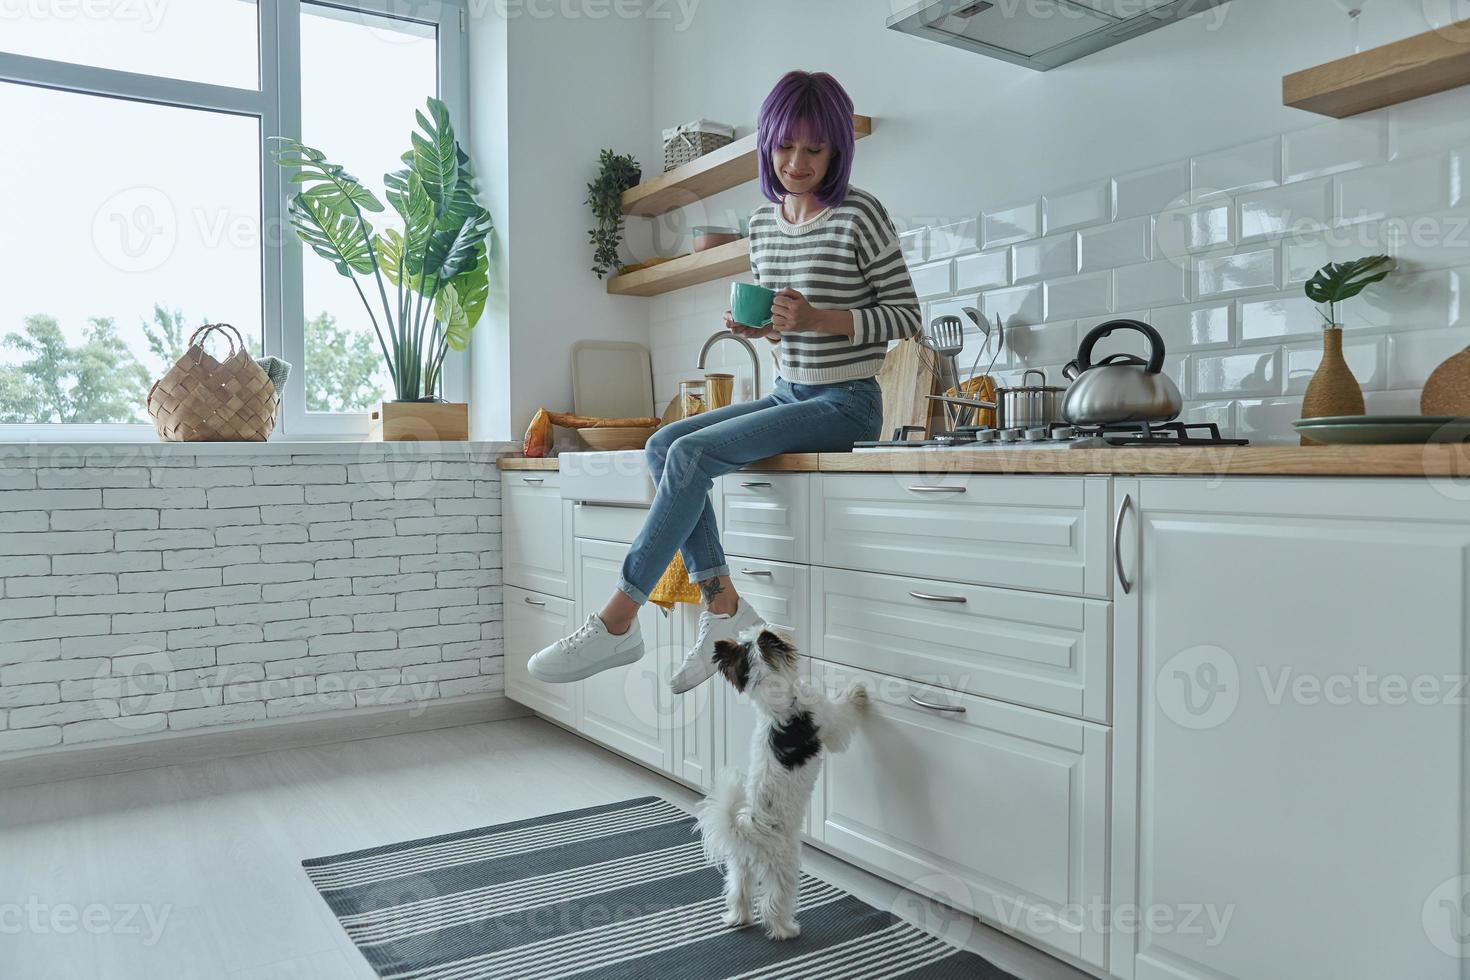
(1040, 34)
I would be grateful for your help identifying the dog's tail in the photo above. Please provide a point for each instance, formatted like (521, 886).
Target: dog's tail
(720, 819)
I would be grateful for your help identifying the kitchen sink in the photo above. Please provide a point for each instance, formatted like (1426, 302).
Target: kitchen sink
(607, 478)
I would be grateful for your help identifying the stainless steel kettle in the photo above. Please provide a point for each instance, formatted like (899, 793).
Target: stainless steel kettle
(1121, 387)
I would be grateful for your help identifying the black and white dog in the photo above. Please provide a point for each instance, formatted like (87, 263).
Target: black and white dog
(752, 822)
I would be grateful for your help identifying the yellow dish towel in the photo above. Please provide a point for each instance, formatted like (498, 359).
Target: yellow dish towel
(675, 586)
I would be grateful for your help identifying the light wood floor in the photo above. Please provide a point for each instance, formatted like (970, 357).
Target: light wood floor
(212, 852)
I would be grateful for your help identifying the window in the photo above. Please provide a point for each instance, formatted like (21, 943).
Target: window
(147, 203)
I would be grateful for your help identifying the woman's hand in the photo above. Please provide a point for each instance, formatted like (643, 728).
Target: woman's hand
(791, 313)
(750, 333)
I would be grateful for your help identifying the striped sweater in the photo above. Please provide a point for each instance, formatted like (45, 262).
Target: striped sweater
(846, 258)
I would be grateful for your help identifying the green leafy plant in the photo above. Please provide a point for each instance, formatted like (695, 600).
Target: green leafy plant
(1340, 281)
(438, 266)
(615, 175)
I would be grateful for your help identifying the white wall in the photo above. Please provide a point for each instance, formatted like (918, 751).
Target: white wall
(547, 93)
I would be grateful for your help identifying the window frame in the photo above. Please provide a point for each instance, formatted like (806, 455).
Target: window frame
(277, 107)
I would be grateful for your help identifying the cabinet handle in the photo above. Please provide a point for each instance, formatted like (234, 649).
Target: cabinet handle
(534, 479)
(938, 598)
(952, 709)
(937, 489)
(1118, 544)
(534, 602)
(757, 571)
(756, 485)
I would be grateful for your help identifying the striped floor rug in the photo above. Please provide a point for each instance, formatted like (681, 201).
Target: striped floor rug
(613, 891)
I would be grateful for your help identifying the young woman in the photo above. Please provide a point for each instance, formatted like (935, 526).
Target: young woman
(844, 294)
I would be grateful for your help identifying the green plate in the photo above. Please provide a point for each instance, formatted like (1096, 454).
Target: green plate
(1363, 430)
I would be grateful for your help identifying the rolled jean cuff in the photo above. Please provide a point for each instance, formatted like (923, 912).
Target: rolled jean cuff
(705, 576)
(632, 592)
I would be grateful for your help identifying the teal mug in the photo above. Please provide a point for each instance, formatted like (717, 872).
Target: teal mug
(751, 304)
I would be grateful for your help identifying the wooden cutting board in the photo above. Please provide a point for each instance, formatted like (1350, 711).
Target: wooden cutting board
(907, 379)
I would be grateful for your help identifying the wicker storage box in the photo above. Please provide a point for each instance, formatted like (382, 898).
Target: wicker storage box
(201, 399)
(689, 142)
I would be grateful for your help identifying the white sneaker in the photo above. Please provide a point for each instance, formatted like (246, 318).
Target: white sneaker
(699, 663)
(590, 650)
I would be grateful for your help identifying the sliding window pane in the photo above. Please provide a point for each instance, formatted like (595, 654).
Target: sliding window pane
(361, 118)
(127, 225)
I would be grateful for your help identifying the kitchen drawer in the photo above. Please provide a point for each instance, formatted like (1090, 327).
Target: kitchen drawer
(767, 515)
(999, 809)
(1047, 534)
(1045, 651)
(533, 622)
(538, 533)
(780, 592)
(605, 522)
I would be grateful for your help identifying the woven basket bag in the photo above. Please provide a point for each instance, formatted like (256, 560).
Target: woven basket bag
(201, 399)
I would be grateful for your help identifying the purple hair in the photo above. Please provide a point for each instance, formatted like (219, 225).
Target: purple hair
(807, 105)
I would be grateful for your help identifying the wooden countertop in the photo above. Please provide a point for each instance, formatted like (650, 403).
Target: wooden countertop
(1423, 461)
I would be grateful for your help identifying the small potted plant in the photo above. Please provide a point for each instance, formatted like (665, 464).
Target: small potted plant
(1333, 389)
(616, 173)
(426, 285)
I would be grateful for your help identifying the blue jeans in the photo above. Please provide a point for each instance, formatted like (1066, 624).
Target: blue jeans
(687, 456)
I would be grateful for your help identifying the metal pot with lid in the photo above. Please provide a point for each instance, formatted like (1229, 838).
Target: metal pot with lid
(1028, 406)
(1120, 387)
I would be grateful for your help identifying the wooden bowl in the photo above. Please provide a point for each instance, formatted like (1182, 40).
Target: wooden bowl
(613, 438)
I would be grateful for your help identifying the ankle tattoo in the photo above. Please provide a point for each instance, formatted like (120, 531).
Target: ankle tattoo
(712, 589)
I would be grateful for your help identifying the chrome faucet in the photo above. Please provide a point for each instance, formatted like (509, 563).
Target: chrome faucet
(755, 361)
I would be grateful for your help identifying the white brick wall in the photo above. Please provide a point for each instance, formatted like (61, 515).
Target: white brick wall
(146, 589)
(1213, 250)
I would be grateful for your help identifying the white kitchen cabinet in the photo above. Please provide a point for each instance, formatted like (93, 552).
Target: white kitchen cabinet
(538, 532)
(628, 708)
(1291, 656)
(766, 515)
(998, 809)
(532, 622)
(1043, 533)
(1045, 651)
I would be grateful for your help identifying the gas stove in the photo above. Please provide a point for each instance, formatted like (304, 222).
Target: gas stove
(1057, 436)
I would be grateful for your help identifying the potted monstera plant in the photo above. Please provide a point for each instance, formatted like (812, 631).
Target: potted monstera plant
(423, 287)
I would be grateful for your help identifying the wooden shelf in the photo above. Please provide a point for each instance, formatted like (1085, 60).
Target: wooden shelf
(688, 270)
(1400, 72)
(729, 166)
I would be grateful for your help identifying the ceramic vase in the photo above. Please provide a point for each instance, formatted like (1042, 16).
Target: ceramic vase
(1447, 392)
(1334, 390)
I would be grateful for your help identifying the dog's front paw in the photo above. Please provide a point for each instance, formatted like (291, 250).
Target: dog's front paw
(737, 918)
(858, 696)
(783, 930)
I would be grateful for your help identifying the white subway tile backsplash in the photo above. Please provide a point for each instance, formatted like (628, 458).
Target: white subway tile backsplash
(1364, 356)
(1081, 208)
(1252, 167)
(1221, 414)
(933, 280)
(1283, 317)
(1079, 296)
(983, 270)
(1122, 243)
(1423, 301)
(1049, 343)
(1014, 306)
(1044, 258)
(1162, 283)
(947, 240)
(1178, 233)
(1151, 191)
(1435, 122)
(1011, 225)
(1229, 275)
(1334, 147)
(1409, 187)
(1296, 209)
(1238, 374)
(914, 245)
(1193, 327)
(1412, 357)
(1267, 421)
